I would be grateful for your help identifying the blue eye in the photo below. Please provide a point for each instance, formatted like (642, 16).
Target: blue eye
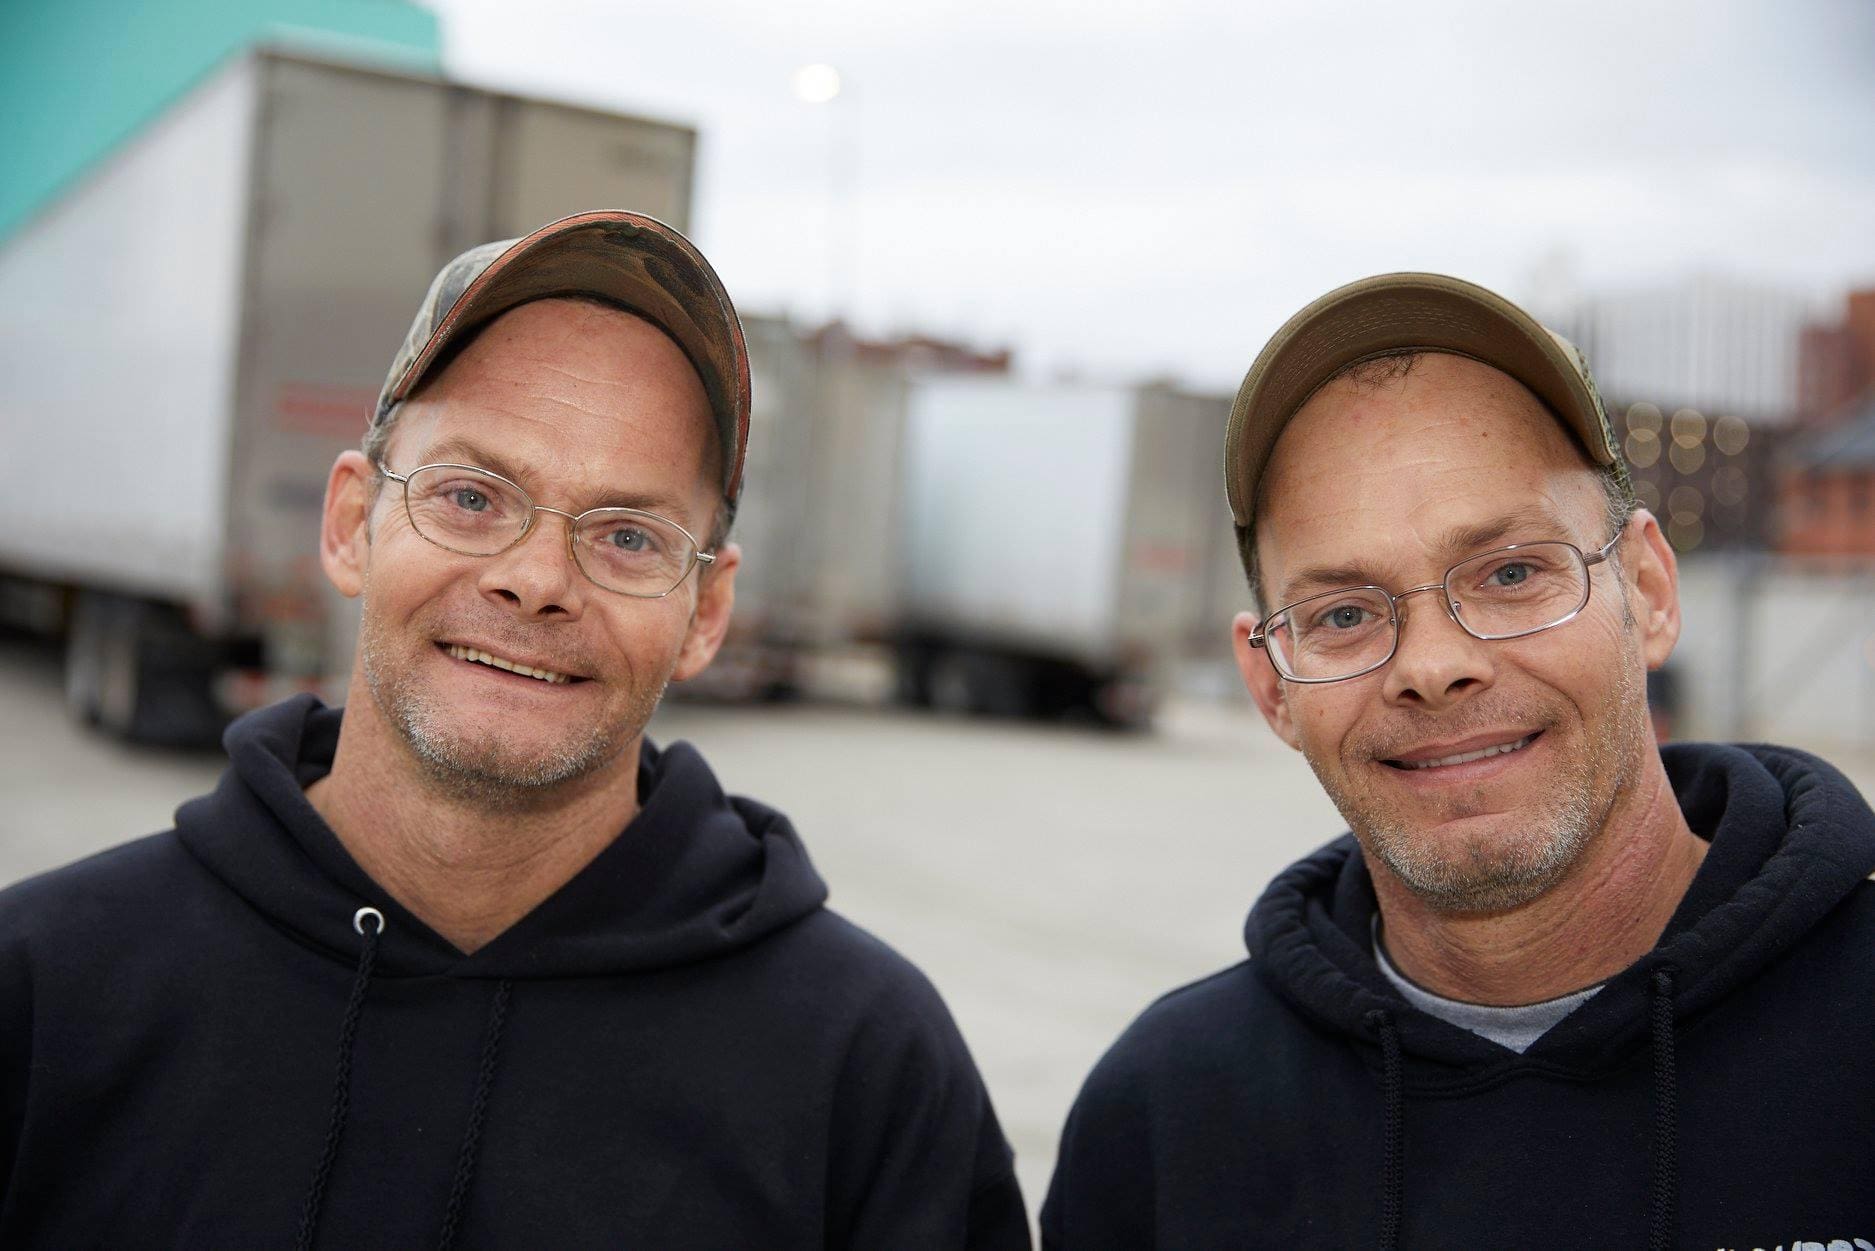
(469, 499)
(1344, 617)
(1511, 574)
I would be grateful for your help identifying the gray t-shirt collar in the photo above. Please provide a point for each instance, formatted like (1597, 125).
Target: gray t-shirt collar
(1515, 1027)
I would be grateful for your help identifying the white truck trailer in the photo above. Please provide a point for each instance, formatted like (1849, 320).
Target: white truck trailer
(1059, 544)
(819, 517)
(190, 336)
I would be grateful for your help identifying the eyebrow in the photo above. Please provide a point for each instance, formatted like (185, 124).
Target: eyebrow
(460, 451)
(1458, 542)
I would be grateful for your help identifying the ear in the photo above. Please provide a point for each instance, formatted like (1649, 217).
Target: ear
(1652, 585)
(345, 527)
(1261, 679)
(716, 596)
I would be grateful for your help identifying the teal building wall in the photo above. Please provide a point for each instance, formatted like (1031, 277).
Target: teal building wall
(78, 77)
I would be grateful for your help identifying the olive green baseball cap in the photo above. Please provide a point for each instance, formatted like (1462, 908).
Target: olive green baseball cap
(627, 259)
(1391, 314)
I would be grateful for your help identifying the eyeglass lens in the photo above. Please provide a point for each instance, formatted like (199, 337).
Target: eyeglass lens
(478, 514)
(1501, 594)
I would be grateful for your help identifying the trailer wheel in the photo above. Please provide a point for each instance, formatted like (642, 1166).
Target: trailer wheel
(136, 671)
(983, 683)
(84, 656)
(912, 676)
(948, 685)
(122, 681)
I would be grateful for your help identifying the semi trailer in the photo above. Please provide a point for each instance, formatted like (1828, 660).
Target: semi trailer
(1059, 544)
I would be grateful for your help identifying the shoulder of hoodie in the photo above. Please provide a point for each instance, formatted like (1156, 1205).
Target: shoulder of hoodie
(844, 963)
(114, 889)
(1199, 1033)
(899, 1034)
(100, 886)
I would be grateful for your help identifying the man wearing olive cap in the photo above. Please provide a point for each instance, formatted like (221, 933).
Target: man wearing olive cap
(1559, 988)
(470, 963)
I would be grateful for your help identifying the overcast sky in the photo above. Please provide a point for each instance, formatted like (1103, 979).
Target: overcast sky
(1125, 188)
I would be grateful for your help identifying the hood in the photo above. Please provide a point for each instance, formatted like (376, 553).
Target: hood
(696, 874)
(1790, 838)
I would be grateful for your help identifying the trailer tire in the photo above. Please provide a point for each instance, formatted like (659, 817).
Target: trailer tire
(912, 676)
(84, 656)
(982, 683)
(136, 671)
(123, 675)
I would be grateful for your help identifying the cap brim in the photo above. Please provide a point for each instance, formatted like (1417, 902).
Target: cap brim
(629, 259)
(1387, 315)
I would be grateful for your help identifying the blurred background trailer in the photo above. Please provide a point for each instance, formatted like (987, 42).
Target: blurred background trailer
(1057, 541)
(196, 329)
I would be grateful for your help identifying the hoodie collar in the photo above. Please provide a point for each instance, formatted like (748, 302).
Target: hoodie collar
(1790, 838)
(695, 874)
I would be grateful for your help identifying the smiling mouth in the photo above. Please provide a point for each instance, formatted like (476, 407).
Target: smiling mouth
(477, 656)
(1483, 753)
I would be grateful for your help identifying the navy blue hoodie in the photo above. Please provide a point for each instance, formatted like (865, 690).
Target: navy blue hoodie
(1719, 1093)
(681, 1048)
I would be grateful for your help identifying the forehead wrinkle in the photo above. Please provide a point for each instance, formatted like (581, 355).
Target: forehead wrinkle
(1454, 431)
(556, 473)
(584, 498)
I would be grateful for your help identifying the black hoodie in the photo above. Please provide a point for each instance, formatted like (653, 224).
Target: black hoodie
(681, 1048)
(1719, 1093)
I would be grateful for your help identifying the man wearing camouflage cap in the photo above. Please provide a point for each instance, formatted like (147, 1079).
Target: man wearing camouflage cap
(470, 962)
(1559, 988)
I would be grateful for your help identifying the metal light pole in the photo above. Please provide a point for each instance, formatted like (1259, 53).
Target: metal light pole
(823, 85)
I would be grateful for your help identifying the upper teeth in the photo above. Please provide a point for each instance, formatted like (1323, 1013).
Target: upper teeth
(484, 658)
(1465, 757)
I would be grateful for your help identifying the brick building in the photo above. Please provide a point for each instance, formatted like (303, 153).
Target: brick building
(1836, 362)
(1826, 494)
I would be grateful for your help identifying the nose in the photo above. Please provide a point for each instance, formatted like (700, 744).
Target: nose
(1436, 664)
(537, 576)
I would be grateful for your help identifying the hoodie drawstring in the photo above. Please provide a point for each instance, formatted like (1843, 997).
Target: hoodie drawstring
(369, 923)
(1664, 1188)
(342, 1087)
(1393, 1092)
(1662, 1214)
(478, 1110)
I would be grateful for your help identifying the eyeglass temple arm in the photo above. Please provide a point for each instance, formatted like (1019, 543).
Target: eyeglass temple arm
(1607, 547)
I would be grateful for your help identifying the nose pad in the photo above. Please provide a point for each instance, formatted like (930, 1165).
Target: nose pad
(1436, 669)
(535, 579)
(1451, 606)
(572, 548)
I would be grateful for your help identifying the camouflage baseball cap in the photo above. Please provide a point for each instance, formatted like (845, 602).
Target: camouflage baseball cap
(635, 261)
(1387, 315)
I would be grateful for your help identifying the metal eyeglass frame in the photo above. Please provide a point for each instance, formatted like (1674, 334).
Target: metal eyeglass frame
(1259, 637)
(698, 556)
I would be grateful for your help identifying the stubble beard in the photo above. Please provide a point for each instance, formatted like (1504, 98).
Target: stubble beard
(1502, 869)
(475, 764)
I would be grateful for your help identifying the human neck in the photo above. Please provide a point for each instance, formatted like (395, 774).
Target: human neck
(466, 870)
(1604, 915)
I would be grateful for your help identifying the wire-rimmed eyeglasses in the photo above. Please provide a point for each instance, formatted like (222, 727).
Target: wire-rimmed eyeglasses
(475, 512)
(1506, 593)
